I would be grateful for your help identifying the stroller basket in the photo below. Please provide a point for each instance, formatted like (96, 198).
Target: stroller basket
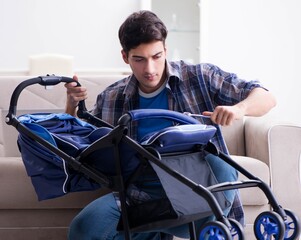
(64, 154)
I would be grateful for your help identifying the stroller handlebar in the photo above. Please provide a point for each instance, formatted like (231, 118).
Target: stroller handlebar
(48, 80)
(135, 115)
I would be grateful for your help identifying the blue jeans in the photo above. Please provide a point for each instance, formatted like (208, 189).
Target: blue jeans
(99, 219)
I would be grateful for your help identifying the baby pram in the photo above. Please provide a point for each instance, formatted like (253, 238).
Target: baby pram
(64, 154)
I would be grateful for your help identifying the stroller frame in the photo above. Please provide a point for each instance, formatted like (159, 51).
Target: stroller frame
(119, 133)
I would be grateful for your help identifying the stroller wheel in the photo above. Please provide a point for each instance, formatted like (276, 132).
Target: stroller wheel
(269, 225)
(292, 226)
(236, 230)
(214, 230)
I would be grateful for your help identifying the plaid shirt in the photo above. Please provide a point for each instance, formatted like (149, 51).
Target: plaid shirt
(191, 88)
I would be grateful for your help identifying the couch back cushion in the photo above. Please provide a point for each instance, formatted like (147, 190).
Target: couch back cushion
(35, 98)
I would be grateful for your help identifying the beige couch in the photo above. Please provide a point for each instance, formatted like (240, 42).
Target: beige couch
(268, 150)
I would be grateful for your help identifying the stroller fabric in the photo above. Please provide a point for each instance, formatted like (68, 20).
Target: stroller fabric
(179, 138)
(177, 148)
(180, 202)
(50, 174)
(184, 201)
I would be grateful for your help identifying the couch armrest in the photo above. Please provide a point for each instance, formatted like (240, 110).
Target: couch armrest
(279, 145)
(256, 137)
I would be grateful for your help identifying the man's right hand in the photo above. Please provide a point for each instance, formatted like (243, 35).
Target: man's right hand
(74, 95)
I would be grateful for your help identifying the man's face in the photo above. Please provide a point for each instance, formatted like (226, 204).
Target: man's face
(147, 62)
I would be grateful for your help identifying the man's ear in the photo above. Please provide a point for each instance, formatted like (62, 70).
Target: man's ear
(124, 56)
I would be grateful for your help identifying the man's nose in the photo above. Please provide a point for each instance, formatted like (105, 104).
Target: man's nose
(150, 66)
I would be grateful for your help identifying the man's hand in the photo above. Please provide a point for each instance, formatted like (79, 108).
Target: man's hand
(74, 95)
(225, 115)
(258, 103)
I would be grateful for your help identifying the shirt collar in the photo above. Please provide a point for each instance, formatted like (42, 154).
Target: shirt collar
(172, 71)
(131, 86)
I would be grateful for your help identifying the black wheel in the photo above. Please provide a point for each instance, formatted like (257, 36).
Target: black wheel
(214, 230)
(268, 226)
(292, 226)
(236, 230)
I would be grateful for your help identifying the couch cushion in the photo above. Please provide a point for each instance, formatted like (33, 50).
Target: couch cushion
(36, 97)
(17, 191)
(253, 196)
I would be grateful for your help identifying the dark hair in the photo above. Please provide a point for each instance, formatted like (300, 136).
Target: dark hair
(141, 27)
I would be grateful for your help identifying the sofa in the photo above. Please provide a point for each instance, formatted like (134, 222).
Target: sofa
(265, 147)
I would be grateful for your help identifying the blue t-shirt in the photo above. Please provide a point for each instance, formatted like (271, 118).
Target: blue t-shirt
(155, 100)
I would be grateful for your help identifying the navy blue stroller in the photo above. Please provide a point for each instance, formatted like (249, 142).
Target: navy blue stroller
(64, 154)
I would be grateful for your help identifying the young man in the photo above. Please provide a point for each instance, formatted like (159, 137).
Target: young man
(178, 86)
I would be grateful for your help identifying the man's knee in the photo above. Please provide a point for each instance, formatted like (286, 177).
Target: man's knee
(77, 228)
(222, 170)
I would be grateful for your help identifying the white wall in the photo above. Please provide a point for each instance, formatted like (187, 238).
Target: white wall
(181, 18)
(254, 38)
(87, 30)
(258, 39)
